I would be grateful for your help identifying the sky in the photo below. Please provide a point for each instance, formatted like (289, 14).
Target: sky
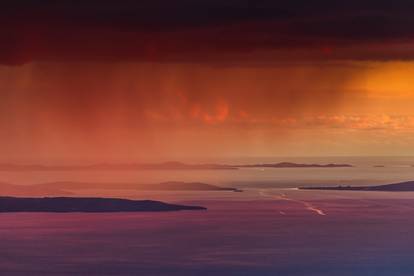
(161, 80)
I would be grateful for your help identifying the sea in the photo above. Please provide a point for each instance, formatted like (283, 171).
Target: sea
(271, 228)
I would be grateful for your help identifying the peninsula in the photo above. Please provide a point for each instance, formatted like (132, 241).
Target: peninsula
(395, 187)
(92, 205)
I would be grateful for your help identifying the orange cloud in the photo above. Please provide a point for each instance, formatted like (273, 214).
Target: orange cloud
(144, 109)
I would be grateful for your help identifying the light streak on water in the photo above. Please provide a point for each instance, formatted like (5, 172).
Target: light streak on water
(306, 204)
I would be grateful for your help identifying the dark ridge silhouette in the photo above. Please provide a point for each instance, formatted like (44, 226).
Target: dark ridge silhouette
(396, 187)
(165, 186)
(161, 166)
(78, 204)
(294, 165)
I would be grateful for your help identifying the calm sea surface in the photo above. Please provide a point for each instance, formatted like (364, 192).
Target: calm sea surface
(269, 229)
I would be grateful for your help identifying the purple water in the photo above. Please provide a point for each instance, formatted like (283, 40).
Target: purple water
(249, 237)
(265, 230)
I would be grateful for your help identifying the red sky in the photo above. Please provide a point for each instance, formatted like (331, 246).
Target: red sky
(146, 110)
(106, 81)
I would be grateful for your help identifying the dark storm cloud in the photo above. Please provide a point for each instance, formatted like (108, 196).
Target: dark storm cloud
(185, 30)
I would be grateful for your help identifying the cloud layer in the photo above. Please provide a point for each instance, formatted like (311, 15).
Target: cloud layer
(205, 31)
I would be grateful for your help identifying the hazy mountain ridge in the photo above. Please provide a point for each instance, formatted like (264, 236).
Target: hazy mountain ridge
(32, 190)
(164, 186)
(67, 188)
(106, 166)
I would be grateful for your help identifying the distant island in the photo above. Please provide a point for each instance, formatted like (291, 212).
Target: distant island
(67, 188)
(164, 186)
(295, 165)
(94, 205)
(160, 166)
(396, 187)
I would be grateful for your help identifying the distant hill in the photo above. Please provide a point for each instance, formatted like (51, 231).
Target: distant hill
(396, 187)
(182, 166)
(127, 167)
(31, 190)
(69, 188)
(165, 186)
(75, 204)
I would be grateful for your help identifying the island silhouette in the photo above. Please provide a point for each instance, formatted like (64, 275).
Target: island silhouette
(87, 204)
(407, 186)
(173, 165)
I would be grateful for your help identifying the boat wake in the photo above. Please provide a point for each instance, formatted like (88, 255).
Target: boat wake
(307, 205)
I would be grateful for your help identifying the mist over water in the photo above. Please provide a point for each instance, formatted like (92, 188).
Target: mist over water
(364, 172)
